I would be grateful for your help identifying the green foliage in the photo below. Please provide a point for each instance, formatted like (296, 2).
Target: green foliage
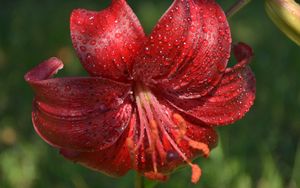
(261, 150)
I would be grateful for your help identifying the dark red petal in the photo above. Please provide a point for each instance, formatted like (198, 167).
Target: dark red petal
(84, 114)
(232, 98)
(114, 161)
(107, 41)
(188, 50)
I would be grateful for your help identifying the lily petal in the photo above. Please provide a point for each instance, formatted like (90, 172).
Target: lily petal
(113, 161)
(188, 50)
(83, 114)
(231, 99)
(107, 41)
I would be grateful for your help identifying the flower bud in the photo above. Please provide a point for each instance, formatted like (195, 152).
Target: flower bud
(286, 15)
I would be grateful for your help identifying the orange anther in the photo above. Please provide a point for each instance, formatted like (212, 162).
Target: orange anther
(200, 146)
(196, 173)
(154, 130)
(156, 176)
(180, 122)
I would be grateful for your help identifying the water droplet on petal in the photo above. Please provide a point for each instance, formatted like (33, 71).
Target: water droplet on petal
(67, 88)
(118, 35)
(82, 48)
(147, 50)
(93, 42)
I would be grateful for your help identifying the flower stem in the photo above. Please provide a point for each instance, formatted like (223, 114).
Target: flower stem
(139, 181)
(237, 6)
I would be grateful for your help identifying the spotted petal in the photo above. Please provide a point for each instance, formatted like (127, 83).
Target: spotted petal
(85, 114)
(107, 41)
(231, 99)
(188, 50)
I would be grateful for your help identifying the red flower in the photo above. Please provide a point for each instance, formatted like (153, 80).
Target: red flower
(151, 102)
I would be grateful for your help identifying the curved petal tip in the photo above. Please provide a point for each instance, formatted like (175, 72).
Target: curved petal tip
(44, 70)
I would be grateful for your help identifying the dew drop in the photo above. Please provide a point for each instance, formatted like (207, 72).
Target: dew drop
(130, 47)
(205, 43)
(82, 48)
(89, 58)
(93, 42)
(79, 22)
(118, 35)
(221, 32)
(168, 27)
(92, 18)
(147, 50)
(82, 31)
(67, 88)
(177, 42)
(185, 45)
(193, 29)
(85, 41)
(159, 37)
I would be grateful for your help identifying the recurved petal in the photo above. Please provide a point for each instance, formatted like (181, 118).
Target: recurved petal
(85, 114)
(188, 50)
(107, 41)
(231, 99)
(113, 161)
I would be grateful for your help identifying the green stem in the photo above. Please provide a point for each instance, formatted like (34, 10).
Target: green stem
(139, 181)
(237, 6)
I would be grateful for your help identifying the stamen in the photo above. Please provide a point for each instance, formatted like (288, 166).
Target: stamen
(142, 129)
(142, 123)
(154, 119)
(196, 173)
(174, 145)
(198, 145)
(157, 109)
(154, 130)
(156, 176)
(130, 143)
(145, 105)
(180, 122)
(155, 137)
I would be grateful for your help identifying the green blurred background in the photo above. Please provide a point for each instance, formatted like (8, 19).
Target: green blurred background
(261, 150)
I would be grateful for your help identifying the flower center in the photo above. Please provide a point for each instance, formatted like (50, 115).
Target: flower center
(156, 127)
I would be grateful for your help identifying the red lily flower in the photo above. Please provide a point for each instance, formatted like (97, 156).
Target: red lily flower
(151, 103)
